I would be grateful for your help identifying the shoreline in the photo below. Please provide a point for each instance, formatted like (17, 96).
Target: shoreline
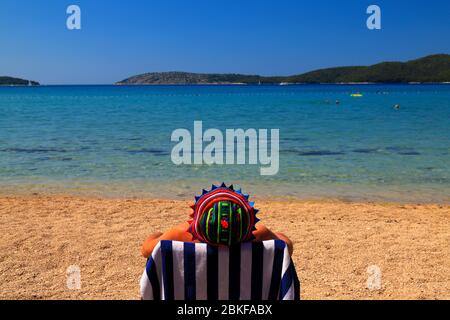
(282, 84)
(257, 198)
(188, 195)
(335, 242)
(235, 84)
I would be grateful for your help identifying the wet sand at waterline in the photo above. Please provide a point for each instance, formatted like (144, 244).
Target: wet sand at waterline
(335, 244)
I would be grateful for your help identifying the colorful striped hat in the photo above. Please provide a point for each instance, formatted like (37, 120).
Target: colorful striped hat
(223, 216)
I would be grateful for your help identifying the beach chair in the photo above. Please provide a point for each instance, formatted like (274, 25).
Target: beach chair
(198, 271)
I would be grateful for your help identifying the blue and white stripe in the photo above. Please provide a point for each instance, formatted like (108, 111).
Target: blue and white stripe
(250, 271)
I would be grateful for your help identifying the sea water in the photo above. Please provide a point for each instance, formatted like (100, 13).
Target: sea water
(115, 140)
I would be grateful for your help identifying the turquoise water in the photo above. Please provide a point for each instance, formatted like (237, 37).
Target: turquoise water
(115, 140)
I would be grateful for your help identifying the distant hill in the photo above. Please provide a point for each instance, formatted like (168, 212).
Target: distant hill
(10, 81)
(190, 78)
(434, 68)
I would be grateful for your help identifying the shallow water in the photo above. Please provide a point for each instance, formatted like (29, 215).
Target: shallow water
(115, 140)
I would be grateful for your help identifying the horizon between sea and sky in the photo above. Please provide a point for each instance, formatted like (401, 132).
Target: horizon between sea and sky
(118, 40)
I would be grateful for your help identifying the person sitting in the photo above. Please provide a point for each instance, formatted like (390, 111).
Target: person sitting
(221, 217)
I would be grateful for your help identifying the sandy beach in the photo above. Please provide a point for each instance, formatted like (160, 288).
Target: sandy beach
(335, 243)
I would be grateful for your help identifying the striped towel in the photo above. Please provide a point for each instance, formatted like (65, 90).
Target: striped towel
(197, 271)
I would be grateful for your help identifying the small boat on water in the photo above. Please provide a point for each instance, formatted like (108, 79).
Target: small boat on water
(356, 95)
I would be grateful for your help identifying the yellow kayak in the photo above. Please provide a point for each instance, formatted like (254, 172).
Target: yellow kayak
(356, 95)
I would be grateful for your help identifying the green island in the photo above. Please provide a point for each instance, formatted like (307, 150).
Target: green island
(10, 81)
(429, 69)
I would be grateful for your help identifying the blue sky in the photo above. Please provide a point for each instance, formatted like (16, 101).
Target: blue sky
(123, 38)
